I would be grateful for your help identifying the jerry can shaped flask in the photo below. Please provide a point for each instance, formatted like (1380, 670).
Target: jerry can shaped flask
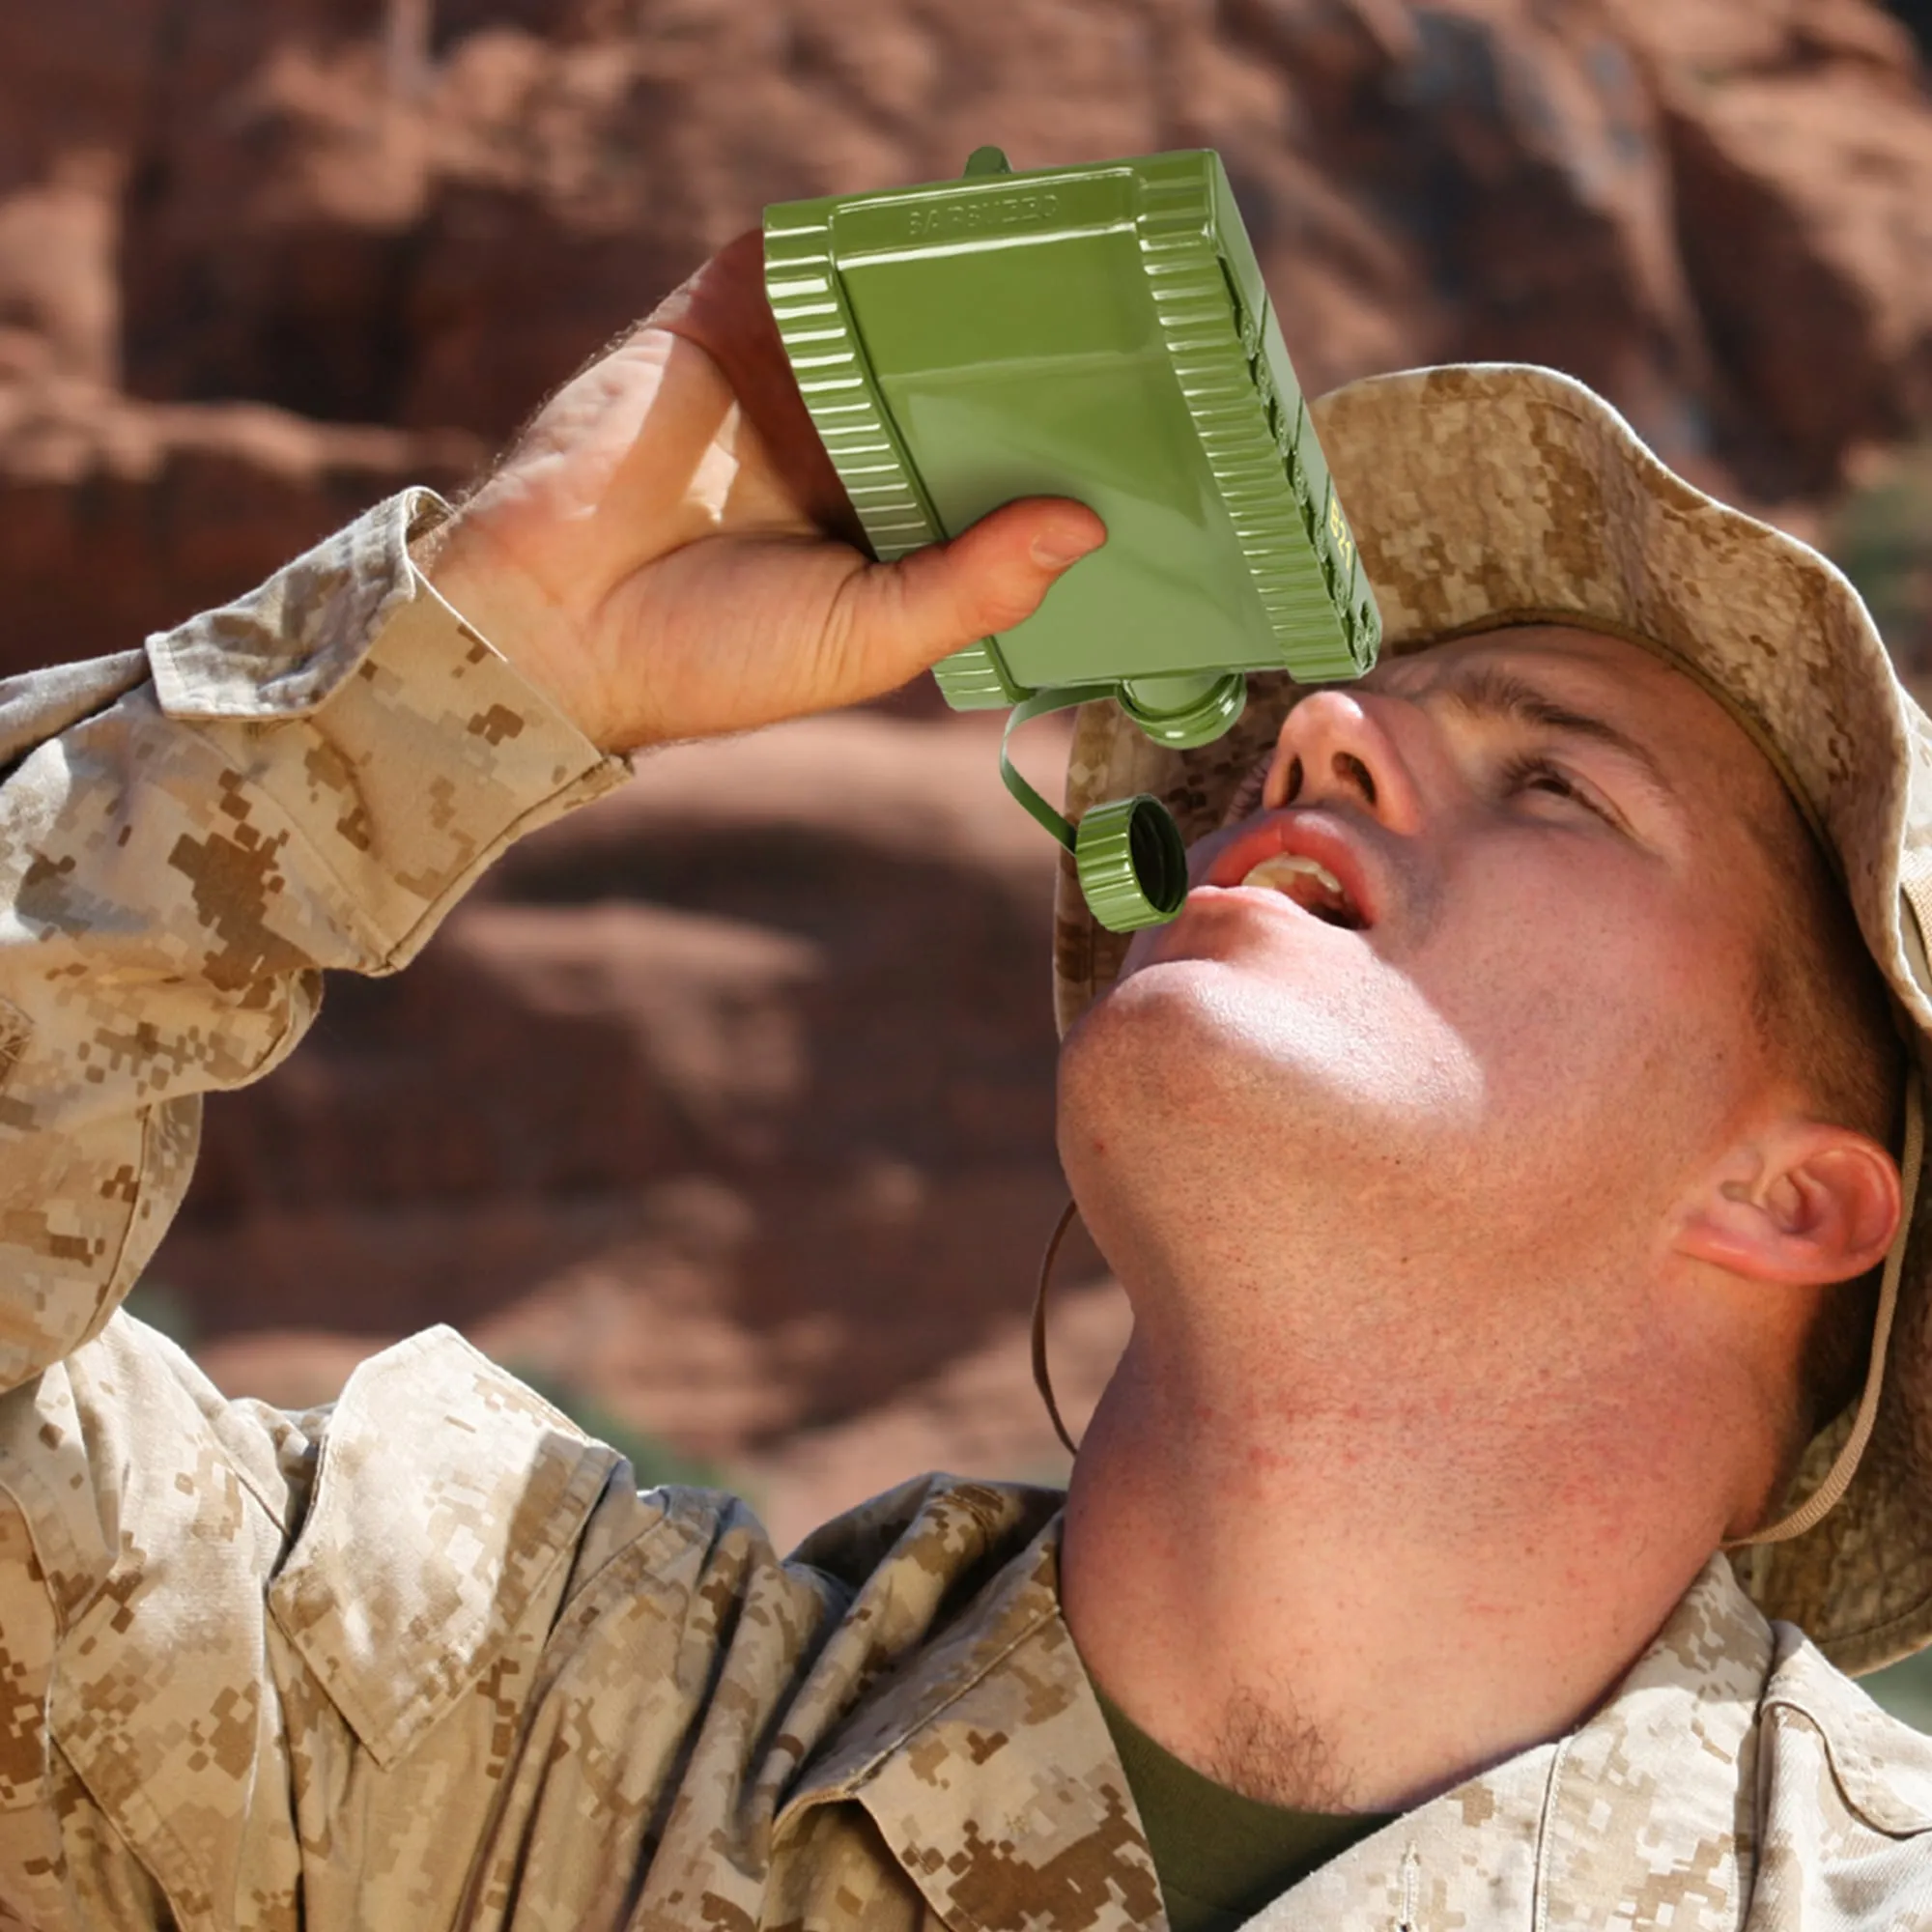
(1100, 332)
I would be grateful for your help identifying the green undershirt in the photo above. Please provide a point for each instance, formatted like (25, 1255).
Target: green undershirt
(1221, 1856)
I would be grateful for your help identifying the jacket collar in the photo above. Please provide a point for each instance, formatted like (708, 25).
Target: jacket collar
(1653, 1802)
(989, 1770)
(1641, 1815)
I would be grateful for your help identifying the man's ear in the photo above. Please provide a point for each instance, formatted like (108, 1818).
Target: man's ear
(1801, 1203)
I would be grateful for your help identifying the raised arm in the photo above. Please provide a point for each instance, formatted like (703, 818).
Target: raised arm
(188, 836)
(225, 1634)
(308, 777)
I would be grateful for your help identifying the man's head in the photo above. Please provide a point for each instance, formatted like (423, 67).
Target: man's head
(1490, 501)
(1554, 1092)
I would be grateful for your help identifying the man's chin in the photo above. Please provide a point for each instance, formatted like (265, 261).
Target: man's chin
(1168, 1041)
(1208, 988)
(1163, 994)
(1227, 1043)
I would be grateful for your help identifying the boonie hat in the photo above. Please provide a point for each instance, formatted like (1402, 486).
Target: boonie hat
(1485, 496)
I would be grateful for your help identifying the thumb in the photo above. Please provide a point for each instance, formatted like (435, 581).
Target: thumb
(905, 617)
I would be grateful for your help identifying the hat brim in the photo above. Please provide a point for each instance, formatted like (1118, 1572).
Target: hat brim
(1487, 496)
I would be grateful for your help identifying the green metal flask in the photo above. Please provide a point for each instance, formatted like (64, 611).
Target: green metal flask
(1101, 332)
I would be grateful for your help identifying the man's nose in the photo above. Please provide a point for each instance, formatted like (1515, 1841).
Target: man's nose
(1335, 749)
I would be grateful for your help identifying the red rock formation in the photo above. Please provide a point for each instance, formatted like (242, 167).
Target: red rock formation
(116, 515)
(1798, 135)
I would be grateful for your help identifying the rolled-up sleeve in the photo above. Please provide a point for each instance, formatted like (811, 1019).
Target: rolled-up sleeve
(304, 780)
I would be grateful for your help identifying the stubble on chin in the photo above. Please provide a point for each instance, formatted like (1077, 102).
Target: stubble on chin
(1269, 1749)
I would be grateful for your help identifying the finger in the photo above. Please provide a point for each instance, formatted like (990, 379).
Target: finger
(723, 309)
(901, 618)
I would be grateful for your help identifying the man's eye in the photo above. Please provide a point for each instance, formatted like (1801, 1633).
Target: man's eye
(1539, 775)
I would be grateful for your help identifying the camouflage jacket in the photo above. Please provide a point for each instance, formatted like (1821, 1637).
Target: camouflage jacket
(427, 1659)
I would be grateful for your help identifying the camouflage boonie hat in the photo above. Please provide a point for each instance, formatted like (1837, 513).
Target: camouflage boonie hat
(1493, 495)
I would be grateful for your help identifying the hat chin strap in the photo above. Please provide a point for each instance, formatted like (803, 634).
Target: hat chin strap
(1043, 1375)
(1839, 1478)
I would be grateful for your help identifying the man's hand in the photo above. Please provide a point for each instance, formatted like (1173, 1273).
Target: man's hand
(668, 552)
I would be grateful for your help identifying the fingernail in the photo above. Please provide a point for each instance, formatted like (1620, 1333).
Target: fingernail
(1056, 550)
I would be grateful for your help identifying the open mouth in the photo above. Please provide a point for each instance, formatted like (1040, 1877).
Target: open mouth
(1311, 885)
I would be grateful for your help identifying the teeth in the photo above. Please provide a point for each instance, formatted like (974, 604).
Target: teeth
(1277, 870)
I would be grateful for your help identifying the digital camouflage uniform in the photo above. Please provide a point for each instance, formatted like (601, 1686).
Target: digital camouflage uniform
(426, 1659)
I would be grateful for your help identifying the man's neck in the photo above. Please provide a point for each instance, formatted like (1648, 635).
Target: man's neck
(1356, 1601)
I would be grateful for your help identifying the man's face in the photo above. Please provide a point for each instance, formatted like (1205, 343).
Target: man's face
(1509, 1041)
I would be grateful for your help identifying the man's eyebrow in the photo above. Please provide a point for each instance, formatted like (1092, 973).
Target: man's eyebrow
(1490, 693)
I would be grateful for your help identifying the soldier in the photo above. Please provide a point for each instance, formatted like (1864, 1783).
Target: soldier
(1512, 1181)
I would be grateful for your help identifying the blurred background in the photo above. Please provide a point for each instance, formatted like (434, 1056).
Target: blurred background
(724, 1111)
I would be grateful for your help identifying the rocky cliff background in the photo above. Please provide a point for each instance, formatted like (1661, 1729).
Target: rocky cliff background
(727, 1106)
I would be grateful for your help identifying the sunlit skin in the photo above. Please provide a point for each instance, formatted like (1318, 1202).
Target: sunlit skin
(1469, 1251)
